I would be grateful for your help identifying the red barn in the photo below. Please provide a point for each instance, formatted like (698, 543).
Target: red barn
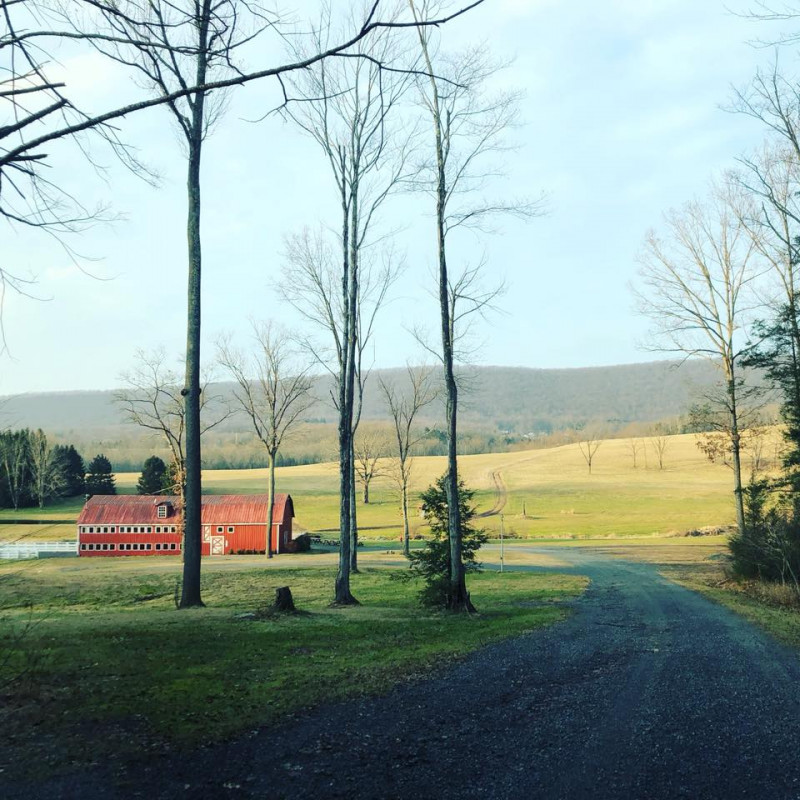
(128, 525)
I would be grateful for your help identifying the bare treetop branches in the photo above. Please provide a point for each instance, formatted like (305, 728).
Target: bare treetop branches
(151, 398)
(697, 280)
(771, 176)
(273, 386)
(31, 140)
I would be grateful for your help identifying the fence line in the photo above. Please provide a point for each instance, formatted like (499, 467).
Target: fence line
(36, 549)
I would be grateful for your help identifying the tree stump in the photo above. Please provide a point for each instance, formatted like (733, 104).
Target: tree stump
(283, 600)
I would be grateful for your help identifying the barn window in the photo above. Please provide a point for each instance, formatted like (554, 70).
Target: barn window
(230, 529)
(162, 511)
(105, 547)
(112, 529)
(158, 546)
(220, 529)
(149, 546)
(105, 528)
(83, 547)
(172, 546)
(112, 547)
(149, 528)
(173, 529)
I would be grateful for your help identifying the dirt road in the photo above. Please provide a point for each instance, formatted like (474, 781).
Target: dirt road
(647, 691)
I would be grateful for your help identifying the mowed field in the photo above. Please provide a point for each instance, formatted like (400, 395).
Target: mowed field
(553, 487)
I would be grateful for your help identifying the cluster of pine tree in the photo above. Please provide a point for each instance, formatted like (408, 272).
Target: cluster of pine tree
(33, 472)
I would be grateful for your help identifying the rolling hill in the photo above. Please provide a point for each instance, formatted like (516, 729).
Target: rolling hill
(515, 399)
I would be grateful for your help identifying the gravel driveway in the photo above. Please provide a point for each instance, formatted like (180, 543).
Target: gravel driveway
(647, 691)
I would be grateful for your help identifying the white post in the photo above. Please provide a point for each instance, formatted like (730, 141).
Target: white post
(501, 543)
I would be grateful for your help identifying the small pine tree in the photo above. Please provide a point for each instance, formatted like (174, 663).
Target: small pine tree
(100, 476)
(153, 477)
(432, 563)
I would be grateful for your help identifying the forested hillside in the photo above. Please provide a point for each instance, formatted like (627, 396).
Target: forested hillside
(500, 404)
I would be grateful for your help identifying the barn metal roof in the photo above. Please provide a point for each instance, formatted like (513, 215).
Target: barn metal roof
(218, 509)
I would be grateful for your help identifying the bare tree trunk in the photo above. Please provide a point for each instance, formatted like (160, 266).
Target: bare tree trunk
(736, 455)
(193, 498)
(271, 504)
(457, 595)
(406, 532)
(353, 516)
(343, 595)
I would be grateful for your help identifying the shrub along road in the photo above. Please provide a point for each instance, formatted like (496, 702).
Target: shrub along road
(647, 691)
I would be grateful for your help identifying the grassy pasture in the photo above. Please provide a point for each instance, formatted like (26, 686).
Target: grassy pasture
(106, 665)
(559, 496)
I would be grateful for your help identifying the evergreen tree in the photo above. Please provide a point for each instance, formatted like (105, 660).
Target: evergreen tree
(74, 470)
(433, 562)
(100, 476)
(778, 354)
(154, 476)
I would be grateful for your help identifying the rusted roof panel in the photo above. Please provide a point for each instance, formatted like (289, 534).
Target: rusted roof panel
(228, 509)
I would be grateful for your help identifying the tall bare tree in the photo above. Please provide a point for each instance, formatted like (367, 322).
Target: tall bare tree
(467, 125)
(696, 285)
(188, 43)
(273, 390)
(349, 109)
(313, 284)
(404, 407)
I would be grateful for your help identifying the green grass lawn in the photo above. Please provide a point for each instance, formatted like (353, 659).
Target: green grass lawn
(107, 659)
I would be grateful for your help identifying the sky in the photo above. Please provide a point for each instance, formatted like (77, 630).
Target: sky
(623, 118)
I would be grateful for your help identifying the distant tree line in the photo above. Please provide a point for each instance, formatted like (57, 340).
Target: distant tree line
(34, 473)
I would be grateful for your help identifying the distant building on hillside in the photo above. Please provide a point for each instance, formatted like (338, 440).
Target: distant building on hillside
(135, 525)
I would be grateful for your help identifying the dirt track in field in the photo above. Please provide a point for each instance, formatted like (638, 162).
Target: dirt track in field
(500, 495)
(647, 691)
